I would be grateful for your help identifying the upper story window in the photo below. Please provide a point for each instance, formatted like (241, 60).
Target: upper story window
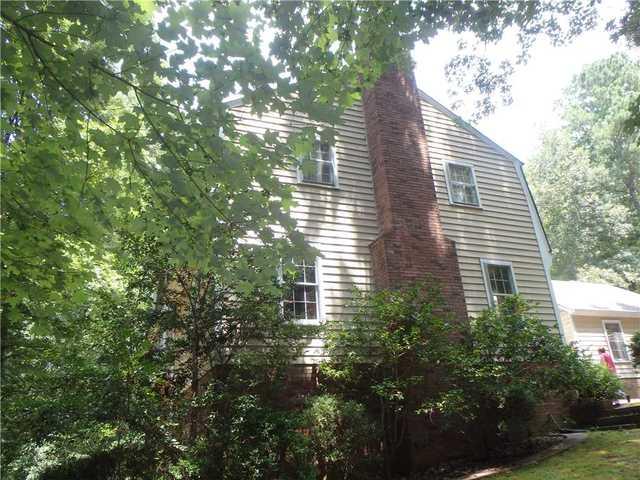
(499, 280)
(302, 300)
(319, 166)
(461, 184)
(615, 339)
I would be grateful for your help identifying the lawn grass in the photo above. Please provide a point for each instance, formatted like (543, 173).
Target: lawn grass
(613, 455)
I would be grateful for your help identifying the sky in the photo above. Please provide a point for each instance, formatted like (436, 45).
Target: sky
(536, 86)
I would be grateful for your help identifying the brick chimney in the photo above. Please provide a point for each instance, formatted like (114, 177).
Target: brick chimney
(411, 243)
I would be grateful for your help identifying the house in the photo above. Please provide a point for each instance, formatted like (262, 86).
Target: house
(410, 189)
(595, 315)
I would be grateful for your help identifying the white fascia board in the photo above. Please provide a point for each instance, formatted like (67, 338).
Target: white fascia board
(608, 313)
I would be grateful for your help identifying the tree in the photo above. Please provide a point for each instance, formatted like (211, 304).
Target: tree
(586, 177)
(122, 105)
(114, 125)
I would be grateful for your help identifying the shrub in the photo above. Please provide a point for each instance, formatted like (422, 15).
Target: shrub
(585, 381)
(635, 348)
(508, 365)
(587, 387)
(386, 356)
(339, 433)
(408, 361)
(253, 440)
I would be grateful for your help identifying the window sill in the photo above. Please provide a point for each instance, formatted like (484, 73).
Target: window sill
(319, 185)
(465, 205)
(315, 323)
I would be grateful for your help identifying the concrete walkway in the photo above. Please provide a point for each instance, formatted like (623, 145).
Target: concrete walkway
(570, 441)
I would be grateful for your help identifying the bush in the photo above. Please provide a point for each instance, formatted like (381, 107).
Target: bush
(635, 348)
(408, 361)
(586, 381)
(385, 358)
(509, 364)
(339, 434)
(589, 388)
(252, 439)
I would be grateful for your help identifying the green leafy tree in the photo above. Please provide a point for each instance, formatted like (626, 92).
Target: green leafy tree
(586, 177)
(122, 105)
(114, 126)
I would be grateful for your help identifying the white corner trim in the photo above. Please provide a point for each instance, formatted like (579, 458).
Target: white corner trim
(321, 310)
(543, 247)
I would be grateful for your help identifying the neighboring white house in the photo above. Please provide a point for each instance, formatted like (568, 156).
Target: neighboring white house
(595, 315)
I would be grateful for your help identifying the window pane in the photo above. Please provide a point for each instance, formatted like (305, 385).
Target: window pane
(457, 192)
(327, 173)
(616, 341)
(299, 310)
(325, 151)
(310, 292)
(310, 274)
(500, 279)
(470, 195)
(298, 294)
(319, 166)
(288, 309)
(311, 311)
(460, 173)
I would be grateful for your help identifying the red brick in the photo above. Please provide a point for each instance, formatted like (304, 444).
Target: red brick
(411, 243)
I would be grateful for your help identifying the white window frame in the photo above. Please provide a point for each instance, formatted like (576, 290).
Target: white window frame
(624, 343)
(475, 183)
(334, 163)
(484, 264)
(319, 294)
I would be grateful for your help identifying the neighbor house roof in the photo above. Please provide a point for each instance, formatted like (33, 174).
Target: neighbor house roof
(582, 298)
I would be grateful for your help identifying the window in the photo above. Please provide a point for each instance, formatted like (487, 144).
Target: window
(319, 166)
(499, 280)
(302, 301)
(461, 183)
(615, 339)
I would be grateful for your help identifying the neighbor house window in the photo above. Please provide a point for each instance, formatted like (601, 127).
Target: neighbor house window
(615, 339)
(319, 166)
(302, 299)
(461, 184)
(499, 280)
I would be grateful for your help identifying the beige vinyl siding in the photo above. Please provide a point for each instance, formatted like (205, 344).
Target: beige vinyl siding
(340, 222)
(502, 229)
(590, 336)
(568, 327)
